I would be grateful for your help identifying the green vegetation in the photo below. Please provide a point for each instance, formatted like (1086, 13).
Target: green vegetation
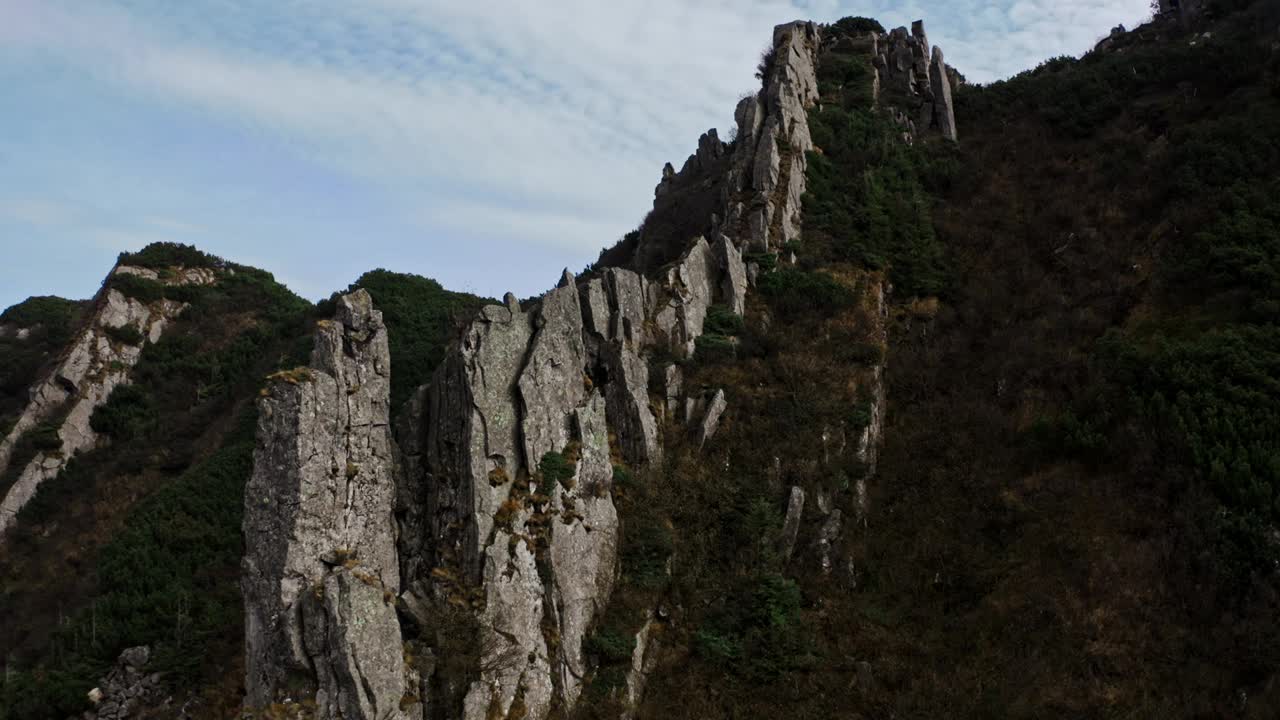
(759, 635)
(128, 413)
(57, 315)
(166, 575)
(722, 320)
(420, 316)
(554, 469)
(853, 25)
(168, 581)
(137, 287)
(868, 200)
(161, 255)
(869, 197)
(50, 322)
(126, 334)
(797, 292)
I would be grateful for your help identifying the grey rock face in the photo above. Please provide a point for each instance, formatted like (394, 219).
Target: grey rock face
(569, 374)
(733, 275)
(355, 644)
(711, 421)
(93, 366)
(584, 546)
(791, 524)
(944, 116)
(691, 288)
(320, 558)
(551, 385)
(628, 398)
(473, 447)
(917, 81)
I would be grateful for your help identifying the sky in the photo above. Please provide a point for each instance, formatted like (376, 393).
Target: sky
(484, 143)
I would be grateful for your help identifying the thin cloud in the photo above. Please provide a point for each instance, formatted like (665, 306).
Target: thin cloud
(539, 125)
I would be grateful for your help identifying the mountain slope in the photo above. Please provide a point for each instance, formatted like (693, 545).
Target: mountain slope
(915, 398)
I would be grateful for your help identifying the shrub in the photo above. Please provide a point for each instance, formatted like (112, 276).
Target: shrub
(610, 645)
(866, 196)
(126, 334)
(420, 316)
(44, 437)
(856, 25)
(862, 353)
(139, 288)
(794, 292)
(169, 254)
(55, 314)
(722, 320)
(128, 413)
(715, 348)
(554, 468)
(646, 544)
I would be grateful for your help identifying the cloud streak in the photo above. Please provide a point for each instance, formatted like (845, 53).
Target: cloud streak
(535, 123)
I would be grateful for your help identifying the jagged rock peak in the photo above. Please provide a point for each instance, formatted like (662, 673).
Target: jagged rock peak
(913, 80)
(320, 572)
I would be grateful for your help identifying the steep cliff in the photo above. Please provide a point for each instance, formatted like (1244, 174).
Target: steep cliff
(320, 569)
(508, 527)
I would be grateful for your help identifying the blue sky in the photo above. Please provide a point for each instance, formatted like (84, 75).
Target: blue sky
(485, 144)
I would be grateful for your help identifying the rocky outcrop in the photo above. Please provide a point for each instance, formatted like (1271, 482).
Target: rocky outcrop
(791, 523)
(912, 79)
(505, 503)
(583, 551)
(762, 210)
(127, 688)
(99, 359)
(320, 572)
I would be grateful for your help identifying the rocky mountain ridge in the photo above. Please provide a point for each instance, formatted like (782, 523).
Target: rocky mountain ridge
(509, 455)
(98, 361)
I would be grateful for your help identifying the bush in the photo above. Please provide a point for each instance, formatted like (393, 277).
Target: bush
(722, 320)
(44, 437)
(125, 334)
(420, 316)
(796, 292)
(128, 413)
(55, 314)
(646, 544)
(139, 288)
(715, 348)
(169, 254)
(610, 646)
(856, 25)
(866, 196)
(554, 469)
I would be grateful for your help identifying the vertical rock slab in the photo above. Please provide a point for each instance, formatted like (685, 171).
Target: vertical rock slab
(551, 385)
(733, 275)
(320, 571)
(629, 410)
(944, 115)
(473, 445)
(791, 524)
(584, 546)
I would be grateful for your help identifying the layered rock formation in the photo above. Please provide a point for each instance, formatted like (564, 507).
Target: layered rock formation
(320, 572)
(481, 522)
(913, 80)
(97, 361)
(503, 490)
